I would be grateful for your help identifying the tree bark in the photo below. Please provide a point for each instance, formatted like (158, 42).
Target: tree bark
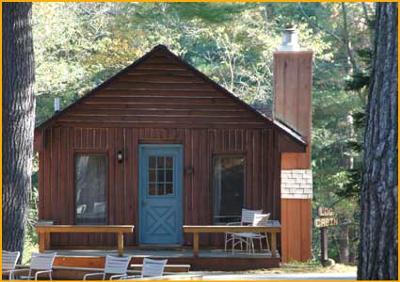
(378, 244)
(344, 250)
(18, 120)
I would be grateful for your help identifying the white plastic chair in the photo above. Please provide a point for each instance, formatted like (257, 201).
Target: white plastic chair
(81, 209)
(246, 219)
(9, 261)
(115, 266)
(99, 207)
(40, 264)
(249, 237)
(151, 268)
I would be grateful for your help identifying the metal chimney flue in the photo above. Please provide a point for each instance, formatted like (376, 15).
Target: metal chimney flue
(57, 103)
(290, 40)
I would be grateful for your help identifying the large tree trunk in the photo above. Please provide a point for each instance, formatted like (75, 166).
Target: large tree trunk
(378, 246)
(18, 120)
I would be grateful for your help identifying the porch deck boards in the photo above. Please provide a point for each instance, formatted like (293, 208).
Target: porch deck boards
(209, 259)
(162, 253)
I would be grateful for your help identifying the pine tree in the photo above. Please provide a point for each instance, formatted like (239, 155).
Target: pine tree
(378, 245)
(18, 120)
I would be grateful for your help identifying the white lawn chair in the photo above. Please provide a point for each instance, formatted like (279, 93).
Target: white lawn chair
(249, 237)
(9, 261)
(40, 264)
(116, 267)
(246, 219)
(151, 268)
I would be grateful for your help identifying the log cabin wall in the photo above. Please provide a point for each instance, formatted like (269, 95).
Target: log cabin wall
(56, 174)
(157, 100)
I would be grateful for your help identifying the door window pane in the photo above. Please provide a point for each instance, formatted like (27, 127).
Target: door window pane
(168, 175)
(228, 186)
(152, 175)
(152, 161)
(90, 183)
(160, 181)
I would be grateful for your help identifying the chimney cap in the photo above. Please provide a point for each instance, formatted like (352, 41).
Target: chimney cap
(289, 39)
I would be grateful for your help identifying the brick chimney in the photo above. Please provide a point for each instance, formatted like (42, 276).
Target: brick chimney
(292, 106)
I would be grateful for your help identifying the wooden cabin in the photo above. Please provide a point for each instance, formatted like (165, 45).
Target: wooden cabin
(160, 145)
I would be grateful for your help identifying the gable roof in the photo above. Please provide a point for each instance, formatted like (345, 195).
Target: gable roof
(161, 48)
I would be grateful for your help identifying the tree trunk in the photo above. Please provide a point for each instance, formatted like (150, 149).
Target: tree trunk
(378, 230)
(18, 120)
(347, 42)
(344, 243)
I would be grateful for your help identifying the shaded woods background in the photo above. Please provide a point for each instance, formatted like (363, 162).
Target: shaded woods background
(78, 45)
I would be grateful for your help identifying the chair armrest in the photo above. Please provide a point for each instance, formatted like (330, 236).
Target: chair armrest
(92, 274)
(233, 223)
(42, 272)
(112, 277)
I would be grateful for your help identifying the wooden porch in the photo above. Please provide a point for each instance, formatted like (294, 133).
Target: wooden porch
(73, 264)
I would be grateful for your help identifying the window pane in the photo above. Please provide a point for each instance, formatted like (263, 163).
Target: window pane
(228, 188)
(160, 162)
(168, 176)
(168, 162)
(152, 175)
(160, 189)
(152, 162)
(90, 183)
(169, 188)
(152, 189)
(160, 176)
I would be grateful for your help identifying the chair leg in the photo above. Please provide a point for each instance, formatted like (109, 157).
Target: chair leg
(226, 238)
(233, 244)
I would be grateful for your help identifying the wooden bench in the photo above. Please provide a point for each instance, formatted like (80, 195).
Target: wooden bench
(197, 229)
(45, 230)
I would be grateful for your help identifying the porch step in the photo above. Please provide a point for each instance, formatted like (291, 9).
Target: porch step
(134, 268)
(168, 267)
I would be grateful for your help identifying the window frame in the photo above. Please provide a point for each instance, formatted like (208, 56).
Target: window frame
(235, 154)
(169, 195)
(105, 153)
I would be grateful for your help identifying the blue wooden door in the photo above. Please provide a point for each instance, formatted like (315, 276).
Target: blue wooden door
(160, 194)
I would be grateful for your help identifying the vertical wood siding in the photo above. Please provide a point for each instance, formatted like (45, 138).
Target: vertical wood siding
(56, 174)
(159, 99)
(296, 231)
(292, 100)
